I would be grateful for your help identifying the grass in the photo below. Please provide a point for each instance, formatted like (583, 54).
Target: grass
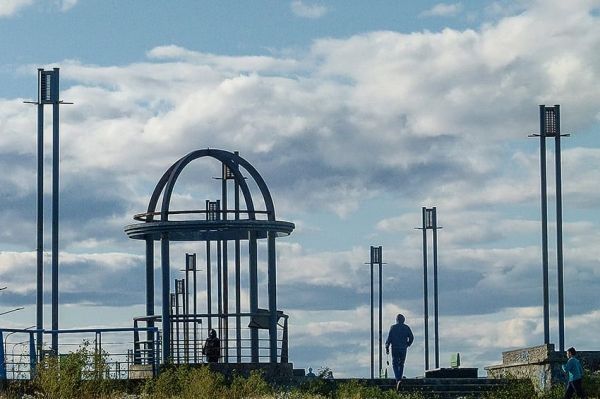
(82, 374)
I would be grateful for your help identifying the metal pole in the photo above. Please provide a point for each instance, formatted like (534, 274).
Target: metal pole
(55, 204)
(253, 263)
(380, 309)
(544, 204)
(208, 286)
(40, 221)
(195, 309)
(425, 293)
(220, 288)
(225, 338)
(238, 301)
(559, 243)
(272, 292)
(165, 270)
(372, 322)
(435, 291)
(150, 285)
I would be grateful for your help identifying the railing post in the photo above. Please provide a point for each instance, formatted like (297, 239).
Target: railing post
(284, 341)
(32, 355)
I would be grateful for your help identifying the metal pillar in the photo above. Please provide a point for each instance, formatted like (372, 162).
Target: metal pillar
(372, 326)
(559, 241)
(238, 299)
(435, 293)
(272, 292)
(40, 219)
(166, 318)
(253, 271)
(544, 205)
(55, 203)
(550, 127)
(380, 311)
(429, 219)
(208, 286)
(150, 285)
(425, 292)
(225, 314)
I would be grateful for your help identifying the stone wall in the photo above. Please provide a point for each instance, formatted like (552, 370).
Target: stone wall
(540, 364)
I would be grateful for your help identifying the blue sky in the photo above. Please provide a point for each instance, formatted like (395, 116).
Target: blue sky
(357, 114)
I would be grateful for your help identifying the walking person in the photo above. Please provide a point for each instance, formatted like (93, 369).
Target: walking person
(575, 373)
(212, 347)
(400, 338)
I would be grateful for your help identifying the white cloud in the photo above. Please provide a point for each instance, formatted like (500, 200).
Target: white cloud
(11, 7)
(304, 10)
(443, 10)
(66, 5)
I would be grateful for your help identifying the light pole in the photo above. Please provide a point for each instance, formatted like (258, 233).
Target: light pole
(550, 127)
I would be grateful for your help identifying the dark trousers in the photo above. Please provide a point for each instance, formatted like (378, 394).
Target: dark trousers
(398, 358)
(574, 387)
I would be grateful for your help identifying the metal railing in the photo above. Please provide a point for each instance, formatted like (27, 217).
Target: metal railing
(112, 347)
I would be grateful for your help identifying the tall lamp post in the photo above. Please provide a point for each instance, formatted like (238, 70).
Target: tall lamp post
(429, 218)
(550, 127)
(376, 259)
(48, 93)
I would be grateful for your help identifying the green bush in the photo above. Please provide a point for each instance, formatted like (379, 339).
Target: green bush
(79, 374)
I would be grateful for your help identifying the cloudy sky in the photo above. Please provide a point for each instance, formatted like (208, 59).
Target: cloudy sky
(357, 114)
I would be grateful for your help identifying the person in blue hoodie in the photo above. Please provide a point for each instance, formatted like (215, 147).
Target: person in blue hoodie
(400, 338)
(575, 373)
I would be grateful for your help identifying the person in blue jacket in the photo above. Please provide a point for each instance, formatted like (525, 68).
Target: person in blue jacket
(400, 338)
(575, 373)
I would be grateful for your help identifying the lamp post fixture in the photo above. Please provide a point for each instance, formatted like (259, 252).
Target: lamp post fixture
(429, 218)
(376, 259)
(550, 127)
(48, 93)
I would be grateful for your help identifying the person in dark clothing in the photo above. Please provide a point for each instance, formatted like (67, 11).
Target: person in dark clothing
(400, 338)
(575, 373)
(212, 347)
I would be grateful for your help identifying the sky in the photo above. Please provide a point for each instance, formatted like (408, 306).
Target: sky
(357, 114)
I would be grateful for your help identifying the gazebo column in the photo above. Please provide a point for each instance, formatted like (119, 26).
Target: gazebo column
(166, 321)
(272, 288)
(150, 284)
(253, 266)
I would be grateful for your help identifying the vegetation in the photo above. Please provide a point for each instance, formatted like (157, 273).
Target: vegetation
(83, 374)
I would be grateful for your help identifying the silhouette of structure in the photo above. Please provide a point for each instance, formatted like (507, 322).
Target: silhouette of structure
(550, 127)
(216, 226)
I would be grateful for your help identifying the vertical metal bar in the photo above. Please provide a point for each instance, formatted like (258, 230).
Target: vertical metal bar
(253, 266)
(372, 320)
(380, 308)
(177, 321)
(186, 312)
(55, 204)
(220, 288)
(238, 299)
(272, 290)
(208, 285)
(559, 238)
(544, 199)
(225, 337)
(166, 319)
(32, 355)
(435, 291)
(40, 221)
(195, 305)
(425, 293)
(150, 286)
